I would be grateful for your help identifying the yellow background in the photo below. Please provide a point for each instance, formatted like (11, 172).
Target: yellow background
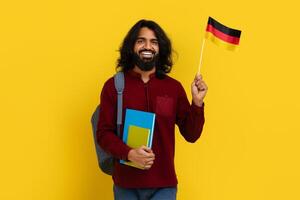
(56, 55)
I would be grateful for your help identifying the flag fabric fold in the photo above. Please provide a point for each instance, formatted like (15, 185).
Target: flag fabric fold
(222, 35)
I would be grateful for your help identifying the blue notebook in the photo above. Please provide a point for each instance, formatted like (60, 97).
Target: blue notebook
(138, 130)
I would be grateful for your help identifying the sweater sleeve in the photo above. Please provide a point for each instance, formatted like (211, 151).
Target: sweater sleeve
(189, 117)
(107, 125)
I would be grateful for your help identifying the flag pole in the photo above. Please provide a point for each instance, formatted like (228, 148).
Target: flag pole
(200, 61)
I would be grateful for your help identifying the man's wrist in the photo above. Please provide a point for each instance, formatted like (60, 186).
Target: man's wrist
(129, 154)
(198, 103)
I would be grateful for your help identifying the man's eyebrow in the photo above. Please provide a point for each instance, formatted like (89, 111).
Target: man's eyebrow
(143, 38)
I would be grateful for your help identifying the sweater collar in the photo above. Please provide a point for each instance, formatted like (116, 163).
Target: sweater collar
(138, 75)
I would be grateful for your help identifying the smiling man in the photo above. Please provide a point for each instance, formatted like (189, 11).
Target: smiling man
(146, 51)
(145, 59)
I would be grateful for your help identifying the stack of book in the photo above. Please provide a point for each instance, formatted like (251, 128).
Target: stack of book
(138, 130)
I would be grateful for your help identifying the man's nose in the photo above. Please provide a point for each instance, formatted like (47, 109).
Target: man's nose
(148, 45)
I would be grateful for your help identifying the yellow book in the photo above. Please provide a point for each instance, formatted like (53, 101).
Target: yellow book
(137, 137)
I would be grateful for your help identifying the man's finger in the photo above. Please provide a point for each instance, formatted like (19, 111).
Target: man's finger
(147, 149)
(150, 163)
(198, 77)
(151, 155)
(203, 85)
(147, 167)
(147, 154)
(150, 159)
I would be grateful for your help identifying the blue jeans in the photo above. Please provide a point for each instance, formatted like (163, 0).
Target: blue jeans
(167, 193)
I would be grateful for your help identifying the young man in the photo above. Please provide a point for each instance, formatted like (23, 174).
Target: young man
(145, 59)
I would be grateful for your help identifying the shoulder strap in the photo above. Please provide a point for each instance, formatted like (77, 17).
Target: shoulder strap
(119, 85)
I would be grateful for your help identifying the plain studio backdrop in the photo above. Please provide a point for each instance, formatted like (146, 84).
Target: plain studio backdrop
(56, 55)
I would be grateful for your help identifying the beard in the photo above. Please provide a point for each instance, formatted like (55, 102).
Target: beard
(145, 64)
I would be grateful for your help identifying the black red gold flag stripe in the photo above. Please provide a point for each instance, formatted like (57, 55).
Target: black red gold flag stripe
(222, 35)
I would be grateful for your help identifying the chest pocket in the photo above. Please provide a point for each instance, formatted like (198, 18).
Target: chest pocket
(164, 106)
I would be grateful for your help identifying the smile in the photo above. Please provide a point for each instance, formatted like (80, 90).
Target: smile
(147, 54)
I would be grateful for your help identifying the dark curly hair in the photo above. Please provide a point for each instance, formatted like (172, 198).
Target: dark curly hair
(164, 63)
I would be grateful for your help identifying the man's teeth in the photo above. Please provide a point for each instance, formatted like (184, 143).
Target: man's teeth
(147, 54)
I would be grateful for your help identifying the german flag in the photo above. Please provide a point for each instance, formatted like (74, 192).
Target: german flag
(222, 35)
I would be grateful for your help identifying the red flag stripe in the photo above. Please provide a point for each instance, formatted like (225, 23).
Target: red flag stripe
(222, 36)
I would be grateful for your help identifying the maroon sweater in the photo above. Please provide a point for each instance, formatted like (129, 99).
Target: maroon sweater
(165, 97)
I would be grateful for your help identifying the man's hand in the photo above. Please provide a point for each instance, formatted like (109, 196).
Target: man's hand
(199, 90)
(143, 157)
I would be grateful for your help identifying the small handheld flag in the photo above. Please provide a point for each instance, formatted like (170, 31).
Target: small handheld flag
(222, 35)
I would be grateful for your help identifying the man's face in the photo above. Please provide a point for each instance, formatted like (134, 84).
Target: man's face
(146, 49)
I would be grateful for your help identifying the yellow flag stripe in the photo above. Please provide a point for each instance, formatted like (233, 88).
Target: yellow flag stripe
(219, 42)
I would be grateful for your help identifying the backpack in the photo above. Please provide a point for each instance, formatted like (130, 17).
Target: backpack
(106, 160)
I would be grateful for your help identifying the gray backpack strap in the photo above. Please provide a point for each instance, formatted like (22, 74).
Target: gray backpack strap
(119, 84)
